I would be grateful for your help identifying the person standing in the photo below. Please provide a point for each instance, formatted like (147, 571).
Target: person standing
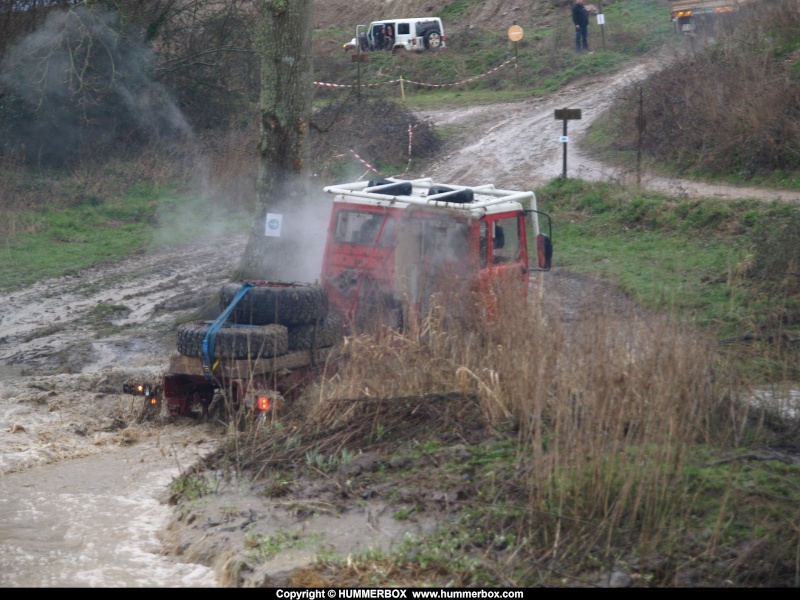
(581, 19)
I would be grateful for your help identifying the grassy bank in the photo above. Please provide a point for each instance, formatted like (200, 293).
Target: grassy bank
(726, 266)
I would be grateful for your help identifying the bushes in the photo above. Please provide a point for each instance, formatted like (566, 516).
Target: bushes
(376, 129)
(729, 109)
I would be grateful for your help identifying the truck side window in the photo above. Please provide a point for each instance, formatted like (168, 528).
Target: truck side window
(505, 241)
(403, 28)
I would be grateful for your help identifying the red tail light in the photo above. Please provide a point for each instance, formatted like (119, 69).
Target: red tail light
(262, 403)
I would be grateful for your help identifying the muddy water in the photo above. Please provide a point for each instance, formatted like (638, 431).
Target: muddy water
(782, 398)
(92, 522)
(82, 485)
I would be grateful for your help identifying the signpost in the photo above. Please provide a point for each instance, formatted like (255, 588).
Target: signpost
(359, 58)
(515, 35)
(566, 114)
(601, 20)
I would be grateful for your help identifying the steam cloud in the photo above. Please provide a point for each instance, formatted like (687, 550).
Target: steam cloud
(81, 83)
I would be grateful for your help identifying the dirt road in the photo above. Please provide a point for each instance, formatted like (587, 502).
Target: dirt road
(517, 145)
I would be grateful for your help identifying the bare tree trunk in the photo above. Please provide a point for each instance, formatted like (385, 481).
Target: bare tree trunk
(284, 40)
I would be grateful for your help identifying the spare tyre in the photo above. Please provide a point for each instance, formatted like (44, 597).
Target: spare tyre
(433, 39)
(234, 342)
(464, 196)
(400, 188)
(328, 332)
(276, 302)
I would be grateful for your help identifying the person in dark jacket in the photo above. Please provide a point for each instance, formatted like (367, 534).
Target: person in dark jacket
(380, 37)
(581, 19)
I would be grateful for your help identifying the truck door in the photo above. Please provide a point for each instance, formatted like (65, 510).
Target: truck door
(502, 251)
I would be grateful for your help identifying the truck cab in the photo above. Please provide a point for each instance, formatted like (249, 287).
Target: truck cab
(394, 244)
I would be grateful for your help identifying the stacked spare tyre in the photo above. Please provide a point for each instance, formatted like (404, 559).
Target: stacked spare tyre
(271, 319)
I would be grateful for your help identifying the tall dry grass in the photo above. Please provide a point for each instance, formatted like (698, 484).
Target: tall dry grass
(607, 402)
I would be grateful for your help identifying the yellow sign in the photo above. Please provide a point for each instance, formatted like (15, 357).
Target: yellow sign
(515, 33)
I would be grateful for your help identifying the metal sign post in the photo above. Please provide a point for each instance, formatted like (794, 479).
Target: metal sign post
(359, 58)
(515, 35)
(601, 20)
(566, 114)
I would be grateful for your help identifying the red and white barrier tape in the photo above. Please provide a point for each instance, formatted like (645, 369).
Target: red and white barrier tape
(408, 164)
(435, 85)
(365, 163)
(371, 168)
(342, 85)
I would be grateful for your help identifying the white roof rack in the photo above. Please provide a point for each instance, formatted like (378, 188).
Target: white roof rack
(485, 196)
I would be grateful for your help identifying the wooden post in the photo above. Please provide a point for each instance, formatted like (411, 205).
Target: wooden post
(640, 125)
(402, 89)
(566, 114)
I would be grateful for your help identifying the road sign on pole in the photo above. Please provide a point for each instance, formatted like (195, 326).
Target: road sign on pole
(515, 35)
(566, 114)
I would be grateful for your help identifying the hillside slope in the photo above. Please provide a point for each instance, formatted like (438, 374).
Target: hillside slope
(487, 14)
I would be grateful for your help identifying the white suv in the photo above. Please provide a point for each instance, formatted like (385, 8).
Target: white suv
(423, 33)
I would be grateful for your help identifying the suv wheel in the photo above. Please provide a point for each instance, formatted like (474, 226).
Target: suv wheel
(433, 40)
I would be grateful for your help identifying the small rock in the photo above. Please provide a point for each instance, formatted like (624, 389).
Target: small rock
(17, 428)
(399, 462)
(619, 579)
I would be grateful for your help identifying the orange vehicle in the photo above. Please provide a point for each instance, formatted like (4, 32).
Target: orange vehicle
(690, 16)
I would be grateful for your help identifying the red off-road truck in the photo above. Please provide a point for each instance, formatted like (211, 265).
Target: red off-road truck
(392, 245)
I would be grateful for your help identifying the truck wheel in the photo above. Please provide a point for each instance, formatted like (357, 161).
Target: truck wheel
(273, 302)
(323, 335)
(433, 40)
(234, 341)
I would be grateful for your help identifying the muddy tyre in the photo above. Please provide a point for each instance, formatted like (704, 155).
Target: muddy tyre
(272, 302)
(328, 332)
(234, 341)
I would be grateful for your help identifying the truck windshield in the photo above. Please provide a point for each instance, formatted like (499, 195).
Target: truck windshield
(434, 242)
(362, 227)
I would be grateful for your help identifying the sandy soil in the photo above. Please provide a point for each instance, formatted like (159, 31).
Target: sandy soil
(68, 343)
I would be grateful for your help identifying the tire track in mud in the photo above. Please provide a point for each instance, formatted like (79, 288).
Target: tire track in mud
(98, 316)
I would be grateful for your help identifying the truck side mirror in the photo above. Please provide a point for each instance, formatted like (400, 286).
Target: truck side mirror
(544, 251)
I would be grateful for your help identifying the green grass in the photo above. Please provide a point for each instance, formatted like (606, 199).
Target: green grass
(61, 240)
(547, 60)
(680, 256)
